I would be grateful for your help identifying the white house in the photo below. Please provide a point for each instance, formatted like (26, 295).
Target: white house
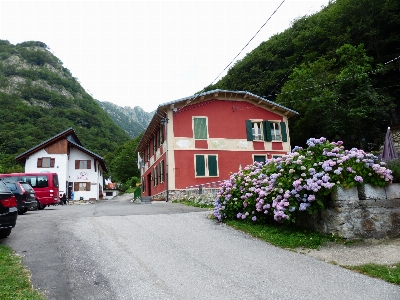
(78, 169)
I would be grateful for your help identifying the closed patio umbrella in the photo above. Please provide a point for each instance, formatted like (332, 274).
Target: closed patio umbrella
(389, 150)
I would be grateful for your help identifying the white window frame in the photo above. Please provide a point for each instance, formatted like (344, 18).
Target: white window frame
(82, 186)
(277, 128)
(257, 125)
(207, 171)
(194, 135)
(265, 156)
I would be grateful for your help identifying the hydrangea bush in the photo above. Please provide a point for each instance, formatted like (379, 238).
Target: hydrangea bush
(299, 181)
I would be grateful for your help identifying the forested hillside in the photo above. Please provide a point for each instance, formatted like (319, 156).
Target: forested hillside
(40, 98)
(339, 68)
(133, 120)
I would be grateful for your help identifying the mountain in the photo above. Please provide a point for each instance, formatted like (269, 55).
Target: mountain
(133, 120)
(40, 98)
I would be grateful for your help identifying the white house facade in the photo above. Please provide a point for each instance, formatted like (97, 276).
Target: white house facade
(78, 169)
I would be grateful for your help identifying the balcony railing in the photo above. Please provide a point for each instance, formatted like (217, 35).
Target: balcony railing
(210, 187)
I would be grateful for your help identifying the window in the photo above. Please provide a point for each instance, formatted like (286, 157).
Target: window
(256, 129)
(42, 181)
(275, 131)
(83, 164)
(206, 165)
(260, 158)
(155, 175)
(266, 130)
(200, 128)
(160, 136)
(154, 144)
(162, 178)
(46, 162)
(148, 152)
(81, 186)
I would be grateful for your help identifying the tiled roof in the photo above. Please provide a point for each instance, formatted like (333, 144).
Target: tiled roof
(68, 134)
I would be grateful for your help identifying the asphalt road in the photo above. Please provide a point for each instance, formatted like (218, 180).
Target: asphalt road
(122, 250)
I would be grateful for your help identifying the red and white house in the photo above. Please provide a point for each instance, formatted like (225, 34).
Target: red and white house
(204, 138)
(79, 169)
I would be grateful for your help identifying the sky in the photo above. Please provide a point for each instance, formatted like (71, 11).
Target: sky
(145, 53)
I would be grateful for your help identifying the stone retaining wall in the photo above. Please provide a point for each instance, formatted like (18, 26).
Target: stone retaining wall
(355, 213)
(396, 138)
(365, 212)
(207, 196)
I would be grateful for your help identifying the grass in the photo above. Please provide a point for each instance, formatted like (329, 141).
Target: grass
(191, 203)
(14, 278)
(284, 236)
(388, 273)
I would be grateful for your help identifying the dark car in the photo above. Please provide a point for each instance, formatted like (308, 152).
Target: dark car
(23, 191)
(8, 210)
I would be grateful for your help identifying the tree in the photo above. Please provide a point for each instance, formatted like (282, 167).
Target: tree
(122, 163)
(336, 99)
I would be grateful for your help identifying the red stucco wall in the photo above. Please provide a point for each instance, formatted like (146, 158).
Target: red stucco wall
(228, 162)
(226, 119)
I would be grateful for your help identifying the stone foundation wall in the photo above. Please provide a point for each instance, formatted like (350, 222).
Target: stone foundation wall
(205, 196)
(366, 212)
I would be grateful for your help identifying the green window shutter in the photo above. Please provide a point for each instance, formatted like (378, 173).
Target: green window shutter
(260, 158)
(200, 165)
(212, 165)
(283, 132)
(200, 128)
(249, 130)
(267, 131)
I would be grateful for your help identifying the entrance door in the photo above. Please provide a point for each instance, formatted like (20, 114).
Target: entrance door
(70, 184)
(149, 184)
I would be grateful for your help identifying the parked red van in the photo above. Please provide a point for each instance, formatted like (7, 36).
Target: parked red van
(44, 184)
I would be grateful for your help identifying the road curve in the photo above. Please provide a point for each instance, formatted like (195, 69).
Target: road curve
(122, 250)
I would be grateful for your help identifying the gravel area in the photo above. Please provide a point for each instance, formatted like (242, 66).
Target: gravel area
(382, 252)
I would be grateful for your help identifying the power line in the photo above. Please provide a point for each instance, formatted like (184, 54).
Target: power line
(236, 55)
(332, 94)
(302, 50)
(344, 79)
(248, 42)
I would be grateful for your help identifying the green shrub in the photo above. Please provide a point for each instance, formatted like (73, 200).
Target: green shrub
(394, 165)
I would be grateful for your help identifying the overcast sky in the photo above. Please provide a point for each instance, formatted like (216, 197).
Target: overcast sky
(144, 53)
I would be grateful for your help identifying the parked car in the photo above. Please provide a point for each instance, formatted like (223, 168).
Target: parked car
(8, 210)
(26, 197)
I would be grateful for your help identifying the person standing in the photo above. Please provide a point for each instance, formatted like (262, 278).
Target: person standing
(72, 196)
(64, 199)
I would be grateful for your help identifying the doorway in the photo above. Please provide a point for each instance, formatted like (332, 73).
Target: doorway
(149, 184)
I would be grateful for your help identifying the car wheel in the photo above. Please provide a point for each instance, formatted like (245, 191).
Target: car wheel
(4, 233)
(40, 206)
(21, 211)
